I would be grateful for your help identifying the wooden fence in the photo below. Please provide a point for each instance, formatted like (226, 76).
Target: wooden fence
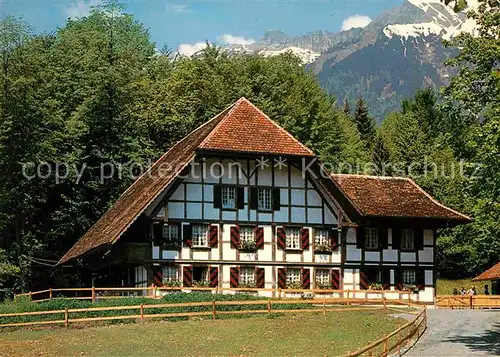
(397, 342)
(95, 293)
(140, 312)
(468, 302)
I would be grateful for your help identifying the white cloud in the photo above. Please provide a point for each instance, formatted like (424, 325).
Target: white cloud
(189, 50)
(355, 21)
(236, 40)
(81, 8)
(177, 8)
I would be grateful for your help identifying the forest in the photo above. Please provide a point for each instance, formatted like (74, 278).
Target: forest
(98, 90)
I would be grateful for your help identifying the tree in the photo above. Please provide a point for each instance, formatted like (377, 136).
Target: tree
(347, 108)
(364, 123)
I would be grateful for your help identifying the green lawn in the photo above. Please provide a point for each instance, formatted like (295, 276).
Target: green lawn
(446, 286)
(304, 334)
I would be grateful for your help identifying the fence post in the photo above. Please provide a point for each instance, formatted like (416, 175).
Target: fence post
(386, 346)
(93, 295)
(385, 306)
(268, 306)
(279, 293)
(399, 343)
(348, 301)
(66, 318)
(213, 310)
(50, 293)
(324, 306)
(142, 313)
(470, 302)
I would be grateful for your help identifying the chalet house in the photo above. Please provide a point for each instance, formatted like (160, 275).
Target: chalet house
(240, 202)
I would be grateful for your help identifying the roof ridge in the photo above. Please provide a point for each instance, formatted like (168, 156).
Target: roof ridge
(277, 125)
(374, 176)
(231, 107)
(437, 202)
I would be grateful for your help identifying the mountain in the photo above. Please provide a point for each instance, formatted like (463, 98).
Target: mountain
(399, 52)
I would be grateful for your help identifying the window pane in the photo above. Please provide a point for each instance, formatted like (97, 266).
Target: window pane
(228, 197)
(292, 276)
(321, 237)
(246, 234)
(247, 277)
(171, 233)
(293, 238)
(371, 238)
(407, 239)
(264, 199)
(323, 277)
(200, 236)
(169, 273)
(409, 277)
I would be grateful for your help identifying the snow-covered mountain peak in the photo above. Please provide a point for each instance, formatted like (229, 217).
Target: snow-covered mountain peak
(439, 19)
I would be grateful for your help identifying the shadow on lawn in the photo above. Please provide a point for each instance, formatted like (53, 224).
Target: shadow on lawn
(488, 341)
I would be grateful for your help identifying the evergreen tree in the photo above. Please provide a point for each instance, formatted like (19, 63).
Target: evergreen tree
(364, 123)
(347, 108)
(381, 157)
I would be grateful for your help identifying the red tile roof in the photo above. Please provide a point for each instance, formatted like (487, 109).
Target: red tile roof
(378, 196)
(492, 273)
(247, 129)
(240, 128)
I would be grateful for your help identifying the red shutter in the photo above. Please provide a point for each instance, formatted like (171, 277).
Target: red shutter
(281, 237)
(234, 277)
(398, 279)
(235, 237)
(334, 238)
(213, 235)
(214, 277)
(282, 278)
(158, 276)
(259, 237)
(335, 279)
(260, 278)
(386, 279)
(363, 280)
(304, 238)
(187, 275)
(360, 237)
(187, 232)
(306, 278)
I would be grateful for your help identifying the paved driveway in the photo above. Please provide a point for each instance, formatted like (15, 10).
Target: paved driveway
(460, 333)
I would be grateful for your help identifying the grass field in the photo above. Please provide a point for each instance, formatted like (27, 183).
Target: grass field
(446, 286)
(293, 335)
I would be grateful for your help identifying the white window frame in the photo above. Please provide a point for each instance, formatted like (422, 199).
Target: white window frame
(199, 235)
(247, 276)
(322, 276)
(293, 238)
(293, 275)
(264, 199)
(409, 277)
(170, 273)
(321, 236)
(228, 197)
(407, 239)
(371, 238)
(247, 235)
(171, 233)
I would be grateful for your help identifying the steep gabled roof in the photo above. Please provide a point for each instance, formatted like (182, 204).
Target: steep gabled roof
(247, 129)
(492, 273)
(377, 196)
(240, 128)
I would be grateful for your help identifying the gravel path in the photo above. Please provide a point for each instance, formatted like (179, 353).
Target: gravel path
(460, 333)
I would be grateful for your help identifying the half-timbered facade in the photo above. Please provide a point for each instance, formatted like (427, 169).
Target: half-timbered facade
(241, 203)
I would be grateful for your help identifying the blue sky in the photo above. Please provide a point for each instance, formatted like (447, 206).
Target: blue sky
(183, 22)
